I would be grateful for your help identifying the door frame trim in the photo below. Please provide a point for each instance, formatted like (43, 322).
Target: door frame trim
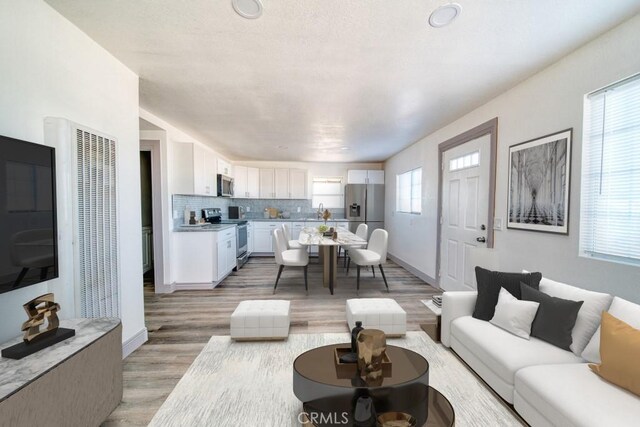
(488, 128)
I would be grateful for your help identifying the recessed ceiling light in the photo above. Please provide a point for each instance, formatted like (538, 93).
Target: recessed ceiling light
(250, 9)
(444, 15)
(344, 148)
(283, 147)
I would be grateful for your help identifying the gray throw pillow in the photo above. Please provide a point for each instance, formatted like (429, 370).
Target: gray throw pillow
(555, 319)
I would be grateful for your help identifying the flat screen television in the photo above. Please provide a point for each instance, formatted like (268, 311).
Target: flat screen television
(28, 229)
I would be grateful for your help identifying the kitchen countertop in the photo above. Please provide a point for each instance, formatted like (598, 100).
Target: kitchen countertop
(206, 227)
(294, 219)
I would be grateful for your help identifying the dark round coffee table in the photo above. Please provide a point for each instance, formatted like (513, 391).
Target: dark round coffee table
(331, 397)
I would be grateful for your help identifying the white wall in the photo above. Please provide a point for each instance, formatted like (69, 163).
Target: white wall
(50, 68)
(550, 101)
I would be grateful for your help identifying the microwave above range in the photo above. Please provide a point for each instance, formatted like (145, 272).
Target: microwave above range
(225, 186)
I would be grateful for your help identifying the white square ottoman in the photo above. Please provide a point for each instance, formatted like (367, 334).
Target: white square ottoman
(377, 313)
(260, 320)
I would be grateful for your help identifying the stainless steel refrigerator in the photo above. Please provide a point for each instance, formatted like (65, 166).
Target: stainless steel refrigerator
(364, 203)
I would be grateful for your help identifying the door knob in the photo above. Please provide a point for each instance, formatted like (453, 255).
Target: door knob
(481, 239)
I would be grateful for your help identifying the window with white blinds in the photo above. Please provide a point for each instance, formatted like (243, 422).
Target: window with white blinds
(409, 191)
(328, 191)
(610, 197)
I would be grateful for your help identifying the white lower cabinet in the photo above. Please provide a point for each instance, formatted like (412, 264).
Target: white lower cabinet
(203, 258)
(250, 237)
(263, 236)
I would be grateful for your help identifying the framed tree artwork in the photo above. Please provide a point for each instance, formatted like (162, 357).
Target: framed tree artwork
(539, 184)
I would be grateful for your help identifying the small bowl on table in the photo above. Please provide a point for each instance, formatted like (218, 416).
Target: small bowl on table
(396, 419)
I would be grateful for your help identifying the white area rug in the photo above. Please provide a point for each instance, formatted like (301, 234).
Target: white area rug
(251, 384)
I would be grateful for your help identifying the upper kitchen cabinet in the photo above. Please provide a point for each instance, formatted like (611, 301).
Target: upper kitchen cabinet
(194, 170)
(281, 184)
(267, 183)
(297, 184)
(225, 168)
(246, 182)
(365, 177)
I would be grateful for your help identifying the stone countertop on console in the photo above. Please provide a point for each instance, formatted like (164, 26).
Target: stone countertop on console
(15, 374)
(206, 227)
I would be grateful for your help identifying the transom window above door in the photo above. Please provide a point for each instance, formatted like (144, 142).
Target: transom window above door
(466, 161)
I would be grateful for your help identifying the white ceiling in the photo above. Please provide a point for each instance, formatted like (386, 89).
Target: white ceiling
(316, 75)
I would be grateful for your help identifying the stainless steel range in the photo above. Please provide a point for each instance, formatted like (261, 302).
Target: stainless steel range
(213, 216)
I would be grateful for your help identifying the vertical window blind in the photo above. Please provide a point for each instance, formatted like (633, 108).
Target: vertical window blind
(610, 197)
(409, 191)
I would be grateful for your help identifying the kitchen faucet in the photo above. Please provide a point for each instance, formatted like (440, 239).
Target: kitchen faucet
(320, 210)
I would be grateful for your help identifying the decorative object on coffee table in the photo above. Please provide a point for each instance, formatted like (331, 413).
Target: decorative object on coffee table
(396, 419)
(39, 310)
(539, 183)
(352, 357)
(364, 413)
(372, 344)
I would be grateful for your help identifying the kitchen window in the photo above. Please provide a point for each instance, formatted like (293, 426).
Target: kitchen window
(409, 192)
(328, 191)
(610, 195)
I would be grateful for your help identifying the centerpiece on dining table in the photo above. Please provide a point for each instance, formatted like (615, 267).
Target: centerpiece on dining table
(325, 229)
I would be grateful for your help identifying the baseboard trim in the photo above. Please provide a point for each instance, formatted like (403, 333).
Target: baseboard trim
(133, 343)
(192, 286)
(411, 269)
(165, 289)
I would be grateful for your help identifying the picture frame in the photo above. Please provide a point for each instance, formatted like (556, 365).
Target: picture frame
(540, 183)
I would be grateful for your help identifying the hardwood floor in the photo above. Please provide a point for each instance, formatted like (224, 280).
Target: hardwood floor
(181, 323)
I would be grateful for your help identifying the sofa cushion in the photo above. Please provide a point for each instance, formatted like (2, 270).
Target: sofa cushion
(489, 285)
(619, 350)
(589, 315)
(572, 395)
(622, 309)
(513, 315)
(555, 319)
(505, 353)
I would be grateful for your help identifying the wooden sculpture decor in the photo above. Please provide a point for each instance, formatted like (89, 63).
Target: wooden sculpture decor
(40, 310)
(372, 345)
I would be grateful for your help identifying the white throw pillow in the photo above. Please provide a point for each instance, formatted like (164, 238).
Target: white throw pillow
(590, 313)
(513, 315)
(622, 309)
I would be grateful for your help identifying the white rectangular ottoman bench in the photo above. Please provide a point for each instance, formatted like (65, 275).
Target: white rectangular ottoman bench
(377, 313)
(260, 320)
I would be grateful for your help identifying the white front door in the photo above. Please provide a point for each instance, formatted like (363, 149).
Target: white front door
(465, 210)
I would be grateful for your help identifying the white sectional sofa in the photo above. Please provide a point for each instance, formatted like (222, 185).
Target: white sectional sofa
(547, 385)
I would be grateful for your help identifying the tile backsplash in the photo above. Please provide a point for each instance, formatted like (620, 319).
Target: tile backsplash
(254, 208)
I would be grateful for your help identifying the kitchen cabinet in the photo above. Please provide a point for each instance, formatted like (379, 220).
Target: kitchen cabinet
(297, 184)
(246, 182)
(249, 237)
(263, 236)
(194, 170)
(296, 228)
(225, 168)
(203, 258)
(226, 245)
(365, 176)
(267, 183)
(281, 184)
(253, 183)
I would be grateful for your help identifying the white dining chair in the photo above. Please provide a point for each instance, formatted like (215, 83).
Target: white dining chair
(291, 244)
(362, 232)
(288, 257)
(375, 254)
